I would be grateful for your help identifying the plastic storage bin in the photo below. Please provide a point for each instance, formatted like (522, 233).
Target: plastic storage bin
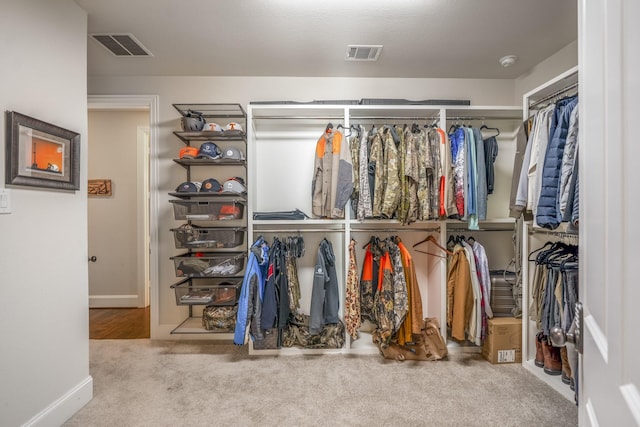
(208, 264)
(501, 298)
(190, 236)
(208, 210)
(207, 292)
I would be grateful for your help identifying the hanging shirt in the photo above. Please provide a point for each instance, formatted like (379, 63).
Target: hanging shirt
(392, 178)
(490, 146)
(423, 183)
(482, 174)
(376, 169)
(400, 295)
(433, 172)
(412, 175)
(447, 202)
(383, 300)
(364, 197)
(368, 285)
(472, 180)
(458, 161)
(352, 295)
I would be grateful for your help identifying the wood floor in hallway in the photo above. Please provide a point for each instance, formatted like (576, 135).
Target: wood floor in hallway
(119, 323)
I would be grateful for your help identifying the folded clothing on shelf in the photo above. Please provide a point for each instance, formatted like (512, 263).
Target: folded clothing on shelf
(294, 214)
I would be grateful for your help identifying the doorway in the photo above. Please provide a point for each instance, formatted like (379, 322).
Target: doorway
(122, 253)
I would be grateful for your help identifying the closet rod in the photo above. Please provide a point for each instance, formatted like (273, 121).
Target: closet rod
(323, 117)
(392, 230)
(297, 230)
(469, 118)
(558, 234)
(466, 230)
(553, 95)
(355, 119)
(327, 117)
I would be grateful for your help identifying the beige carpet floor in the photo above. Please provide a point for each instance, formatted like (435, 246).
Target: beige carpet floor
(150, 383)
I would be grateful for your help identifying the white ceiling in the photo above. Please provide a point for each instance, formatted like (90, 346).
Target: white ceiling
(421, 38)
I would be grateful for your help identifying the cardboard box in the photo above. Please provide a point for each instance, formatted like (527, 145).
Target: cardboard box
(504, 340)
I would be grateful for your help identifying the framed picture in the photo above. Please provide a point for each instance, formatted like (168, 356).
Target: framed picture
(40, 154)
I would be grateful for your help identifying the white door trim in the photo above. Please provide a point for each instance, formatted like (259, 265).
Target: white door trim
(152, 103)
(143, 240)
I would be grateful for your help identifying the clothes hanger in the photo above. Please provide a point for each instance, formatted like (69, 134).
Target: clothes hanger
(373, 241)
(485, 127)
(433, 240)
(429, 253)
(538, 250)
(342, 127)
(329, 128)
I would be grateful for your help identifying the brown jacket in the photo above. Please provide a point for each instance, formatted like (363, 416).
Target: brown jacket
(459, 294)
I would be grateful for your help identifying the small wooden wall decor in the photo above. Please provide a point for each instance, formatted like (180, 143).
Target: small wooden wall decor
(99, 187)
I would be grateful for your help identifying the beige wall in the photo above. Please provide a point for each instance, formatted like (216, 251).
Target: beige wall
(44, 369)
(563, 60)
(113, 225)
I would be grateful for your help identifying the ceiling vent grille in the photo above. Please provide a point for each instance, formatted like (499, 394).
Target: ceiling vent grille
(121, 44)
(363, 52)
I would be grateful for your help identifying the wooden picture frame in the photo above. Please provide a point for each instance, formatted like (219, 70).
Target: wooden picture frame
(39, 154)
(99, 187)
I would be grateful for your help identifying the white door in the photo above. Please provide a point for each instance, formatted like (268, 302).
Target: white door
(609, 59)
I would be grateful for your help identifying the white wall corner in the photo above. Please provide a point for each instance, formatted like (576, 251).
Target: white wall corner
(64, 407)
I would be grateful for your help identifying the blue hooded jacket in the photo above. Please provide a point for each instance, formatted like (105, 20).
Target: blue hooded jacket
(251, 294)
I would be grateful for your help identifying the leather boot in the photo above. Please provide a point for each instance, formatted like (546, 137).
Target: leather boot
(552, 361)
(539, 360)
(566, 368)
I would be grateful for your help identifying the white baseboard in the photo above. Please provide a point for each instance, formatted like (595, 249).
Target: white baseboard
(64, 407)
(113, 301)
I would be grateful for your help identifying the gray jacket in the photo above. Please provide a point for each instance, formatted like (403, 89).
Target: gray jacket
(325, 300)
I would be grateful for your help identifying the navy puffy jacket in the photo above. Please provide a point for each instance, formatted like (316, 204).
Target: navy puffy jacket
(548, 213)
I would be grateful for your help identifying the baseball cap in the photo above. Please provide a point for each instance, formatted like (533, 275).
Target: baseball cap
(234, 185)
(189, 187)
(188, 152)
(212, 127)
(233, 127)
(210, 185)
(233, 153)
(230, 212)
(209, 150)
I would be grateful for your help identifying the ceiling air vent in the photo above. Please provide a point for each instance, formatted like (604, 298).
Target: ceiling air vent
(121, 44)
(363, 52)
